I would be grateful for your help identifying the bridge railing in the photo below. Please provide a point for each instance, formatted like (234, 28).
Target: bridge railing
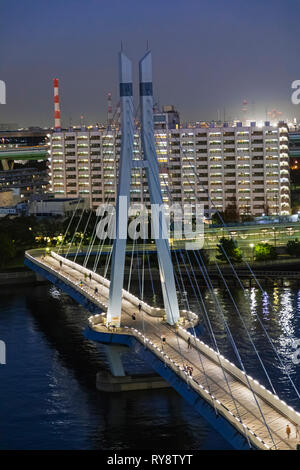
(257, 388)
(201, 390)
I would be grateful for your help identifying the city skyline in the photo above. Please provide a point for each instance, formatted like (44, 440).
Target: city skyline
(207, 58)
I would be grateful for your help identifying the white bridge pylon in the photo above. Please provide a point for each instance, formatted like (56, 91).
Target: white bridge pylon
(150, 164)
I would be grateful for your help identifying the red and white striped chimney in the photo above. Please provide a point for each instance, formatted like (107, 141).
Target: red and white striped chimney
(109, 110)
(57, 124)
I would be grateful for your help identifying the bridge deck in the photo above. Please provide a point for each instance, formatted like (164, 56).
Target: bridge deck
(207, 373)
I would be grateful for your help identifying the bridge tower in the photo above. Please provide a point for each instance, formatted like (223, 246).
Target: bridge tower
(150, 164)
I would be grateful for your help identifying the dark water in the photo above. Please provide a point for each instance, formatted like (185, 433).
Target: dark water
(47, 388)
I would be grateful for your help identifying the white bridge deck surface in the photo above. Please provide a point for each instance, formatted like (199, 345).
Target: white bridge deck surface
(205, 371)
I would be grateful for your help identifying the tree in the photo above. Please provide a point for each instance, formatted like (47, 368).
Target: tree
(264, 252)
(217, 217)
(228, 246)
(7, 249)
(293, 248)
(231, 213)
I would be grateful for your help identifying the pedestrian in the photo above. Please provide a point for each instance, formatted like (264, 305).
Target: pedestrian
(189, 342)
(133, 316)
(163, 338)
(140, 307)
(288, 431)
(191, 371)
(60, 263)
(90, 276)
(96, 290)
(297, 431)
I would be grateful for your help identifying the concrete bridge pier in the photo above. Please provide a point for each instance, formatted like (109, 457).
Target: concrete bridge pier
(113, 354)
(118, 381)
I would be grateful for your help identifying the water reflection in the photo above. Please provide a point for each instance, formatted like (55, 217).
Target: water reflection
(48, 397)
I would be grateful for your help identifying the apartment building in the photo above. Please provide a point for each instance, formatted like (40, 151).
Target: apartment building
(244, 167)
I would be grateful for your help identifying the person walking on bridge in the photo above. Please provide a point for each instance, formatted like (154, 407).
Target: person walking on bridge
(288, 431)
(297, 431)
(189, 342)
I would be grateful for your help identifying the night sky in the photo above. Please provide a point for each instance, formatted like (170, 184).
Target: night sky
(207, 55)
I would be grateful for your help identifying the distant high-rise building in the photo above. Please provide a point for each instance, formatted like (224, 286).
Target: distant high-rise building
(294, 154)
(244, 167)
(24, 159)
(168, 118)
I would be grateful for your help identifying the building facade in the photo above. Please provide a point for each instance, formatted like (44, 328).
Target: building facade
(242, 167)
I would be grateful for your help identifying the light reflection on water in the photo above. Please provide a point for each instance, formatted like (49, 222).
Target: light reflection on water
(279, 312)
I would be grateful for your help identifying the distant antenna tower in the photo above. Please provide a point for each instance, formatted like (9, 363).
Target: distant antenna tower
(57, 123)
(109, 110)
(82, 121)
(244, 110)
(118, 116)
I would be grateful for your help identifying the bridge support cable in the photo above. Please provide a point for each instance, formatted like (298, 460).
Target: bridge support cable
(84, 232)
(252, 343)
(74, 234)
(283, 366)
(264, 369)
(107, 200)
(210, 329)
(91, 244)
(263, 327)
(100, 249)
(225, 377)
(110, 218)
(150, 275)
(134, 240)
(68, 227)
(194, 335)
(152, 175)
(131, 266)
(244, 290)
(246, 329)
(79, 199)
(214, 341)
(229, 334)
(218, 352)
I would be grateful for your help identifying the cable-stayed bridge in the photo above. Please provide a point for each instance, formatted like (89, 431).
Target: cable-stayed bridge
(246, 413)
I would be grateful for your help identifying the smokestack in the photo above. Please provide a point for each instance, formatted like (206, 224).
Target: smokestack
(109, 110)
(57, 124)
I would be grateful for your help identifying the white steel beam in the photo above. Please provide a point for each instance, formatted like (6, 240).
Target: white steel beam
(123, 193)
(152, 171)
